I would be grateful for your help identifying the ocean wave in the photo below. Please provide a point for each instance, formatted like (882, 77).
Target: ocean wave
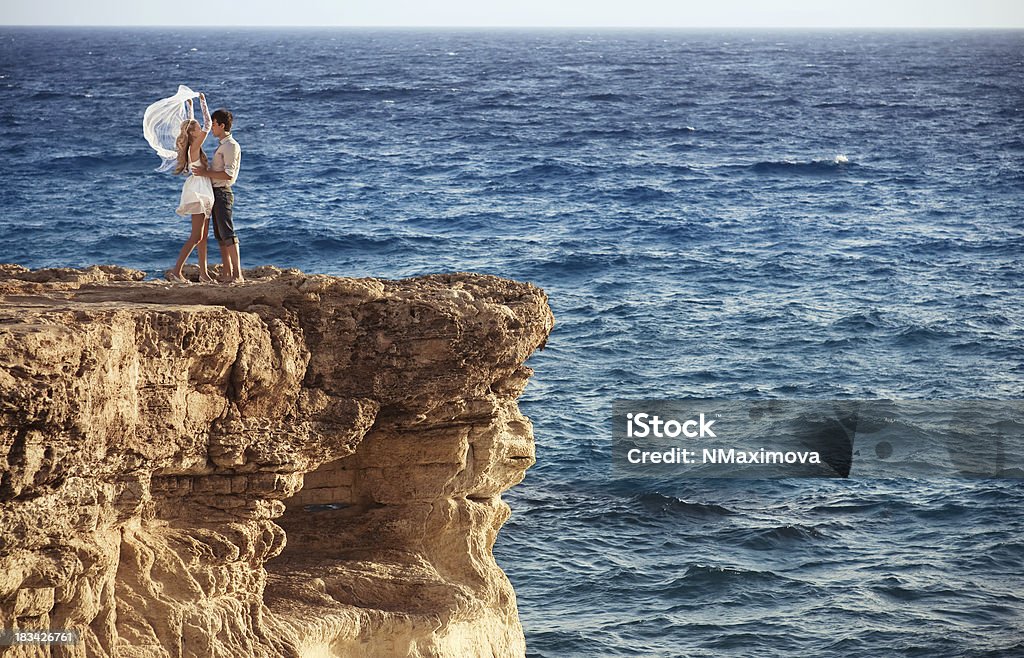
(568, 263)
(765, 539)
(279, 245)
(642, 194)
(917, 335)
(1005, 555)
(861, 508)
(340, 94)
(860, 321)
(838, 105)
(599, 133)
(658, 503)
(785, 101)
(835, 165)
(699, 576)
(677, 131)
(548, 171)
(90, 163)
(48, 95)
(608, 97)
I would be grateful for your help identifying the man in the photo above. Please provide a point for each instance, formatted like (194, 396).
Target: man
(223, 173)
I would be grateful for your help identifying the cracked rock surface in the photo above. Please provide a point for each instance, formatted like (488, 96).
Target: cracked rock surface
(303, 465)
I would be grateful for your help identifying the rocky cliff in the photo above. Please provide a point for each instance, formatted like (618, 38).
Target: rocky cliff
(298, 466)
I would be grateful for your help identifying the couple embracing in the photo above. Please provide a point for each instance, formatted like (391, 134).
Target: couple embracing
(206, 192)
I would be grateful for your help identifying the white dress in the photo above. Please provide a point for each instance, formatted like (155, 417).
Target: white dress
(196, 194)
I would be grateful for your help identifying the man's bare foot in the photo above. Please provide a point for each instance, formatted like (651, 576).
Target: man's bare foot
(205, 278)
(174, 277)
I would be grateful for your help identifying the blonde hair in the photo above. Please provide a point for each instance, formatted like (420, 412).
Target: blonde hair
(181, 146)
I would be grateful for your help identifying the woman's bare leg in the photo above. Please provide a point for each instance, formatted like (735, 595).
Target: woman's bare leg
(190, 244)
(204, 271)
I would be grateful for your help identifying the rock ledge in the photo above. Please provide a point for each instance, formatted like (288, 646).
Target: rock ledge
(302, 465)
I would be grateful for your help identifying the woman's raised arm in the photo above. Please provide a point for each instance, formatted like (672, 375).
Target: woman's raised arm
(207, 121)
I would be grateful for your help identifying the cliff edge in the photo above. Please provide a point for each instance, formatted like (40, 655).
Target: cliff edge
(299, 466)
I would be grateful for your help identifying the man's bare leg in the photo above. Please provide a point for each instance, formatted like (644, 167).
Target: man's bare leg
(225, 263)
(236, 264)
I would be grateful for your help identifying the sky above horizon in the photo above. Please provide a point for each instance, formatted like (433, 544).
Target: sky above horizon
(525, 13)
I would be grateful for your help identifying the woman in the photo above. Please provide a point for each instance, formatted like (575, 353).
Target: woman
(197, 192)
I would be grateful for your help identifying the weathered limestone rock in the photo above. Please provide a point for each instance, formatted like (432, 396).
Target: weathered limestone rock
(298, 466)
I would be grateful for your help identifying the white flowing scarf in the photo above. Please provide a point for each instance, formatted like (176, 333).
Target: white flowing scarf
(161, 125)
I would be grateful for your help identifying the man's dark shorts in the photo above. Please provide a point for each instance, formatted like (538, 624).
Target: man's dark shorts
(223, 228)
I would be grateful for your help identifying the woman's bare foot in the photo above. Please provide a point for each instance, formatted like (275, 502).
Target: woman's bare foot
(204, 277)
(174, 277)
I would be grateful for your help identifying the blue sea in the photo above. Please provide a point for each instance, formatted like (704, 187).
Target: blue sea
(742, 215)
